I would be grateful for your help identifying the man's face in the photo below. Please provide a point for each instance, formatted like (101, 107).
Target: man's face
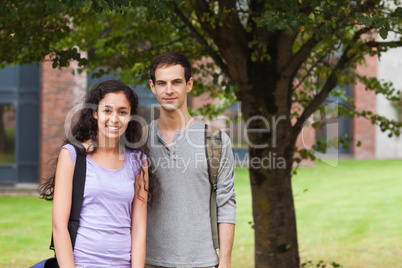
(171, 88)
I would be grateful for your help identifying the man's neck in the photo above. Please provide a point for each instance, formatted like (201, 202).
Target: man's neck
(173, 121)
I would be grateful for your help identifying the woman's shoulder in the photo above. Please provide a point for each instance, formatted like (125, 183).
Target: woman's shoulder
(69, 147)
(89, 147)
(71, 150)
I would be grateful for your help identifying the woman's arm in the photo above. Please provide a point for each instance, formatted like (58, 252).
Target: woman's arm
(139, 220)
(61, 209)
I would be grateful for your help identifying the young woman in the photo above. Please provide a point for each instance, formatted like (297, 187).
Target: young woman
(112, 231)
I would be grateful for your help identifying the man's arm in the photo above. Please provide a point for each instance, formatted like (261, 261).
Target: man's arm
(226, 201)
(226, 238)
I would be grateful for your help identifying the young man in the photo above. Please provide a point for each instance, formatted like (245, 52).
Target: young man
(179, 227)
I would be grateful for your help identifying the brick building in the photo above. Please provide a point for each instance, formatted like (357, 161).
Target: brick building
(35, 101)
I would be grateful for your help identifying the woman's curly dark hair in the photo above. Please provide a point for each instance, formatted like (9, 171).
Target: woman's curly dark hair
(84, 127)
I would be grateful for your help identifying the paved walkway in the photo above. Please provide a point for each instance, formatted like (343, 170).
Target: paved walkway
(19, 189)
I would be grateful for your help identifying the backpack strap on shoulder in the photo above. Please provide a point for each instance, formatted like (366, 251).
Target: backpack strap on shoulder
(79, 177)
(78, 194)
(213, 146)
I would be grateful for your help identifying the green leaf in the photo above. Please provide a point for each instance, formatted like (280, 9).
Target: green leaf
(103, 4)
(359, 15)
(398, 12)
(368, 21)
(383, 33)
(56, 6)
(81, 4)
(10, 13)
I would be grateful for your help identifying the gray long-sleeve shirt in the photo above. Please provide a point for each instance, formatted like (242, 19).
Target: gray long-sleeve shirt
(179, 229)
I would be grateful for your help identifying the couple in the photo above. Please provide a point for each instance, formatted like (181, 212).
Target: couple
(125, 221)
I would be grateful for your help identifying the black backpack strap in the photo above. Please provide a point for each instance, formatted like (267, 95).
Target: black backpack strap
(213, 146)
(77, 196)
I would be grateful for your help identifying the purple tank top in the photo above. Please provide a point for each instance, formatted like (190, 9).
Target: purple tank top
(104, 236)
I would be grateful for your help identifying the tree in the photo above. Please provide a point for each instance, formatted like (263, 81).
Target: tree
(281, 59)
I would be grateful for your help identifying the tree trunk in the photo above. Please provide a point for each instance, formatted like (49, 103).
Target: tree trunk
(273, 211)
(271, 152)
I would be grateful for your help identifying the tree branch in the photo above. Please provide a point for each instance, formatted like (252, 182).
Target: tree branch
(171, 42)
(322, 95)
(256, 10)
(307, 47)
(301, 54)
(204, 5)
(211, 52)
(330, 83)
(285, 53)
(223, 29)
(309, 72)
(383, 44)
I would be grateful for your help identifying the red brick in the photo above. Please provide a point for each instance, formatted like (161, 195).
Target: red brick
(58, 95)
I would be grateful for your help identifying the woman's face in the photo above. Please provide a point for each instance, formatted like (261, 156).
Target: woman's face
(113, 116)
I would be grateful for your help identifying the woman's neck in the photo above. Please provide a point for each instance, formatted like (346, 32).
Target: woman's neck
(109, 146)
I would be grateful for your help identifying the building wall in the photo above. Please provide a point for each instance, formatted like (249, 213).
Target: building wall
(60, 91)
(361, 128)
(389, 69)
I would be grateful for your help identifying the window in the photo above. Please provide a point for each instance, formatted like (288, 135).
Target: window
(7, 133)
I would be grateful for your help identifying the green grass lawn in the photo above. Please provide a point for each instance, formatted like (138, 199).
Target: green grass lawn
(350, 214)
(25, 230)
